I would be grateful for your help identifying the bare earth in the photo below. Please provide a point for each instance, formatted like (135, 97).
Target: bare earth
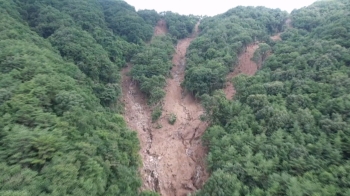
(160, 29)
(245, 66)
(277, 37)
(173, 156)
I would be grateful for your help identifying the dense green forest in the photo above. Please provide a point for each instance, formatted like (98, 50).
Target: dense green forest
(151, 66)
(179, 26)
(287, 131)
(215, 52)
(62, 131)
(59, 84)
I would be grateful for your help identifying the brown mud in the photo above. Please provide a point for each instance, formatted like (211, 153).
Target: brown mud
(173, 156)
(160, 29)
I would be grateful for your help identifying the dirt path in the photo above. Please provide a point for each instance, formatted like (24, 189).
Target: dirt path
(245, 66)
(173, 155)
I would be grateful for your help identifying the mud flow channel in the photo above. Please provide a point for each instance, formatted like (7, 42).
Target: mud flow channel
(173, 156)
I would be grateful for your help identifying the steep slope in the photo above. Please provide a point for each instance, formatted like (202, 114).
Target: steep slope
(223, 39)
(245, 66)
(60, 133)
(160, 28)
(182, 163)
(287, 130)
(173, 156)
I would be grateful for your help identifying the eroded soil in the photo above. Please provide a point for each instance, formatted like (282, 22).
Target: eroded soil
(245, 66)
(173, 156)
(277, 37)
(160, 29)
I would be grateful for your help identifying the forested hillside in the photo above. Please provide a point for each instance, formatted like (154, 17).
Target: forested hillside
(59, 83)
(287, 130)
(62, 130)
(222, 39)
(152, 64)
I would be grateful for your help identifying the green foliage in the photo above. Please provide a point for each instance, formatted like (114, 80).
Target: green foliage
(200, 80)
(79, 31)
(57, 135)
(261, 53)
(215, 52)
(179, 26)
(222, 184)
(92, 60)
(287, 131)
(82, 49)
(48, 20)
(326, 19)
(172, 118)
(125, 21)
(150, 67)
(156, 113)
(149, 16)
(59, 87)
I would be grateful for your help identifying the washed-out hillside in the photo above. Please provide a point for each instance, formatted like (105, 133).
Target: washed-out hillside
(99, 99)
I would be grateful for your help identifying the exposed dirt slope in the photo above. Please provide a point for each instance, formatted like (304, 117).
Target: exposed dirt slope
(173, 156)
(245, 66)
(137, 115)
(277, 37)
(181, 168)
(161, 28)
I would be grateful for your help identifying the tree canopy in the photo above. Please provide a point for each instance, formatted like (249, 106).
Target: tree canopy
(287, 130)
(222, 38)
(62, 131)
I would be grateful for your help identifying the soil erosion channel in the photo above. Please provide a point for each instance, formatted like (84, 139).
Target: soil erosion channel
(246, 65)
(173, 156)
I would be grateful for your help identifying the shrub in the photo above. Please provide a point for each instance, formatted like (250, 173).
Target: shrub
(172, 119)
(156, 113)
